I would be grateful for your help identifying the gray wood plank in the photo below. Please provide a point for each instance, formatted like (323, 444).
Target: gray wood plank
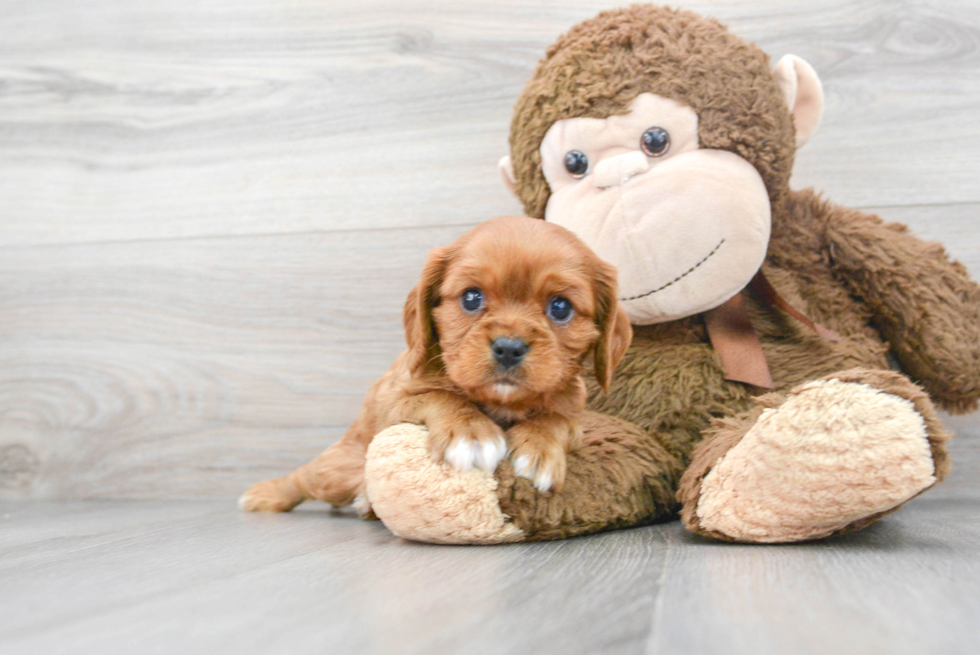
(217, 580)
(198, 576)
(181, 368)
(953, 225)
(963, 482)
(906, 586)
(126, 121)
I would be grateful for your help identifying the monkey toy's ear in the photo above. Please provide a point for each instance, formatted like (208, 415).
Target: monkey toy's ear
(507, 173)
(803, 93)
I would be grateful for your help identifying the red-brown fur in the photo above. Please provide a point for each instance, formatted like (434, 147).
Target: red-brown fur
(448, 380)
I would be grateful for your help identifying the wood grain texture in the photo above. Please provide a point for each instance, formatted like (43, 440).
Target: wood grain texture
(198, 577)
(123, 120)
(194, 577)
(211, 212)
(180, 368)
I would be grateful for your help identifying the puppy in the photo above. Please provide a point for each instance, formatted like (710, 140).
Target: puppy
(498, 329)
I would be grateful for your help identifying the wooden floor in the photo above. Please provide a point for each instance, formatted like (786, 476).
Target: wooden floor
(210, 213)
(200, 577)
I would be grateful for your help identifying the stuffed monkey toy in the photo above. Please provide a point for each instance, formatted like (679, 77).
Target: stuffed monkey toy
(756, 399)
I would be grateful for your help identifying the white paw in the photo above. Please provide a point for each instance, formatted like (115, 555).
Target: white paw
(362, 505)
(464, 453)
(542, 479)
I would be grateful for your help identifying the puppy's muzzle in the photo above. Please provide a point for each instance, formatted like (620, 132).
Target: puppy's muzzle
(508, 352)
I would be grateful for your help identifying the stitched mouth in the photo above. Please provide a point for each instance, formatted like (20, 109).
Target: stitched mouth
(679, 277)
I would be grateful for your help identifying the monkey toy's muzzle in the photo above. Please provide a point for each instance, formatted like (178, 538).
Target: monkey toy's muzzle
(686, 233)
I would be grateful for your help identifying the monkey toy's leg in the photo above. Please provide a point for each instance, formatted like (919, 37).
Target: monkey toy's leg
(618, 477)
(829, 456)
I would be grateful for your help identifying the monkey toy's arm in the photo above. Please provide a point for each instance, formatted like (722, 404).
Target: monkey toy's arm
(925, 305)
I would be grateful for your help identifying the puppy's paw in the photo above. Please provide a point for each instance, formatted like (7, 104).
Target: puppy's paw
(465, 453)
(363, 507)
(539, 448)
(541, 459)
(547, 472)
(476, 443)
(278, 495)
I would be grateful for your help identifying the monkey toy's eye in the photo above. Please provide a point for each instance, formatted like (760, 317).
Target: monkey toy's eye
(576, 163)
(472, 300)
(560, 309)
(655, 141)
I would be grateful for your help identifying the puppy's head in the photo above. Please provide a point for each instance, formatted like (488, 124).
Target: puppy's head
(510, 310)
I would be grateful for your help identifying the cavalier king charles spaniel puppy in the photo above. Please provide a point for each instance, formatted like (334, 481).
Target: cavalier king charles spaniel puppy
(498, 328)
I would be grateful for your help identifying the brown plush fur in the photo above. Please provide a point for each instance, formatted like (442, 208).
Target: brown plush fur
(872, 282)
(448, 379)
(619, 477)
(599, 66)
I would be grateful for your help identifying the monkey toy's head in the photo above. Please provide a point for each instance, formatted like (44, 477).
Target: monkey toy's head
(662, 140)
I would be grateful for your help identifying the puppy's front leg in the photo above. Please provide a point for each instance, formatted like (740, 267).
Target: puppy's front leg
(458, 431)
(539, 447)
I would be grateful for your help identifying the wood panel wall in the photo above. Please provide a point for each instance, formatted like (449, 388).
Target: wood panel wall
(210, 212)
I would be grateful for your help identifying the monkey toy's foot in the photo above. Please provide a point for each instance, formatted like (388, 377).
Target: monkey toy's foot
(423, 499)
(830, 456)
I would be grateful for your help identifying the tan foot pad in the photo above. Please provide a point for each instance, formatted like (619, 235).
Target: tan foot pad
(833, 453)
(423, 500)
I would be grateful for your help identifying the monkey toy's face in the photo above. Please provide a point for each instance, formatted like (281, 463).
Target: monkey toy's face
(686, 227)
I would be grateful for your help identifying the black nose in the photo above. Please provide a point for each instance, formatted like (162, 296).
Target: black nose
(508, 352)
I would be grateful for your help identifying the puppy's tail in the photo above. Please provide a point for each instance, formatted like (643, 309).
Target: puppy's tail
(278, 495)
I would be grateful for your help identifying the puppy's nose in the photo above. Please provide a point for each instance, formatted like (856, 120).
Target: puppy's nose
(508, 352)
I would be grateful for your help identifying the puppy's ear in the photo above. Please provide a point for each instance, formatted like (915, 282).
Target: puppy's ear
(420, 330)
(615, 331)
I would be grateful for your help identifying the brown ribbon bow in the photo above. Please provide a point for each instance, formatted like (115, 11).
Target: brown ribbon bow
(738, 346)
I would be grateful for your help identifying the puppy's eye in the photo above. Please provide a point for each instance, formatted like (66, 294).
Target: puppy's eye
(472, 300)
(655, 141)
(576, 163)
(560, 309)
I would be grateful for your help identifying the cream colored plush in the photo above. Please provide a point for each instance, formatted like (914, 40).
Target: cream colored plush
(709, 209)
(831, 454)
(425, 500)
(803, 92)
